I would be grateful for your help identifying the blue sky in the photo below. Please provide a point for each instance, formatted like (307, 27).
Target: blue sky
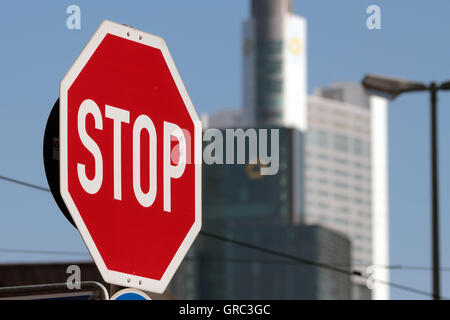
(204, 37)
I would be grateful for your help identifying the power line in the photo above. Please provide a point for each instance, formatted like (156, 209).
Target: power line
(276, 261)
(235, 260)
(317, 264)
(275, 253)
(219, 259)
(406, 267)
(45, 252)
(266, 250)
(26, 184)
(406, 288)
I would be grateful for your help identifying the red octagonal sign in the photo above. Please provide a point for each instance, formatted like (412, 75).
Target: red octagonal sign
(130, 157)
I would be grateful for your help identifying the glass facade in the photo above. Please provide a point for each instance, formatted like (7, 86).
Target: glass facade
(261, 211)
(226, 271)
(269, 81)
(337, 142)
(239, 191)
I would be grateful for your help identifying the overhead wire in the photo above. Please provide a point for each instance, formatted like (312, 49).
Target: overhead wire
(235, 242)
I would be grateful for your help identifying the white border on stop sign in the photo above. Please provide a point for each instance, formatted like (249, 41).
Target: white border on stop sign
(110, 276)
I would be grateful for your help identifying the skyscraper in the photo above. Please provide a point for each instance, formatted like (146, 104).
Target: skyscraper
(346, 174)
(336, 176)
(345, 157)
(274, 65)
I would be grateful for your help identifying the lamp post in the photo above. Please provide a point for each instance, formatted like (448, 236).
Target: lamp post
(391, 88)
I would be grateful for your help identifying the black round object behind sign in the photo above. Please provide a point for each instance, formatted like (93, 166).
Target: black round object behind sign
(51, 159)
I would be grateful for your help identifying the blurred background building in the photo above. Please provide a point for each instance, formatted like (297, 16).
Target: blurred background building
(329, 200)
(274, 66)
(221, 270)
(346, 183)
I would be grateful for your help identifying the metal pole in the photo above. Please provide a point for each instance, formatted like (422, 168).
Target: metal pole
(113, 289)
(434, 193)
(95, 291)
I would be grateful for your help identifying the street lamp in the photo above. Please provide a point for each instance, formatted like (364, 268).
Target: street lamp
(390, 88)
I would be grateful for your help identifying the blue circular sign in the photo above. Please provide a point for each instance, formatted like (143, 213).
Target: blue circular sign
(130, 294)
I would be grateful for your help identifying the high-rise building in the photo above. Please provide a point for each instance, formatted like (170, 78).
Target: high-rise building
(239, 192)
(241, 204)
(346, 174)
(346, 155)
(340, 179)
(222, 270)
(274, 65)
(335, 174)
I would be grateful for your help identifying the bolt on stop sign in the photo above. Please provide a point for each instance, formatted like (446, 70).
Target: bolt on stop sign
(130, 157)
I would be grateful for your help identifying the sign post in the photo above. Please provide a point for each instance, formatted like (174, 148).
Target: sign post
(130, 157)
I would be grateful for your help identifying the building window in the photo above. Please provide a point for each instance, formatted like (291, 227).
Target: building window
(270, 66)
(359, 165)
(340, 197)
(309, 138)
(270, 102)
(341, 173)
(341, 221)
(322, 205)
(340, 143)
(268, 86)
(343, 209)
(358, 225)
(270, 47)
(358, 148)
(341, 161)
(341, 185)
(322, 139)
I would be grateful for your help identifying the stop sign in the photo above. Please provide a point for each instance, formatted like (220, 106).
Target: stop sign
(130, 157)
